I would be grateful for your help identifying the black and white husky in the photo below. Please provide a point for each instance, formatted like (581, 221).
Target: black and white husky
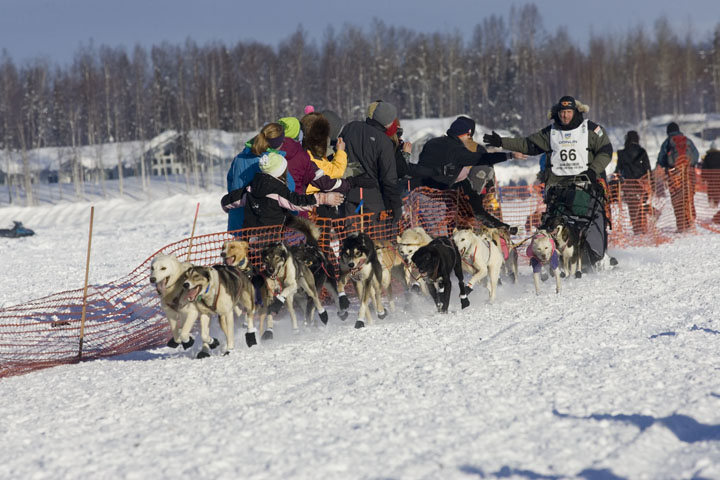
(568, 243)
(215, 291)
(288, 274)
(311, 255)
(437, 261)
(359, 263)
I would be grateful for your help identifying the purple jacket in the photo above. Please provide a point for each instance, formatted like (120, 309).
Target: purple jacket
(299, 164)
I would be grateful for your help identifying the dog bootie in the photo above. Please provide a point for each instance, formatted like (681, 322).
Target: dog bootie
(202, 354)
(267, 335)
(464, 302)
(172, 343)
(324, 317)
(359, 324)
(343, 301)
(382, 314)
(214, 344)
(250, 339)
(276, 304)
(189, 343)
(415, 288)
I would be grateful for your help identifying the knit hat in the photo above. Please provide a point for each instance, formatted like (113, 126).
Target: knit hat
(632, 137)
(672, 128)
(461, 126)
(273, 164)
(385, 113)
(308, 109)
(335, 121)
(291, 125)
(566, 103)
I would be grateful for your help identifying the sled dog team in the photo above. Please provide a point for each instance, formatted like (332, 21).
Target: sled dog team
(287, 274)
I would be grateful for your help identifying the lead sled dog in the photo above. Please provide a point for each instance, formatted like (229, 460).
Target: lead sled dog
(166, 274)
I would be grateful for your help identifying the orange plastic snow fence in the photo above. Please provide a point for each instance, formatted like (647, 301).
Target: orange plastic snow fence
(125, 315)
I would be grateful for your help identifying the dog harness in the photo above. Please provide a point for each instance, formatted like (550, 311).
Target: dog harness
(535, 261)
(408, 265)
(217, 295)
(472, 264)
(444, 242)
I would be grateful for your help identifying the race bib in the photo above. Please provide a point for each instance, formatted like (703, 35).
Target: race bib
(569, 150)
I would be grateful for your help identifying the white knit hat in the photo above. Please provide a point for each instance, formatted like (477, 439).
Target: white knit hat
(273, 164)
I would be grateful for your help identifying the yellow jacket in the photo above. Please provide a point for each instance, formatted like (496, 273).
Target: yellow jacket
(333, 169)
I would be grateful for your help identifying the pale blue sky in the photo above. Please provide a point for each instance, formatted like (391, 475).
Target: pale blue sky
(56, 28)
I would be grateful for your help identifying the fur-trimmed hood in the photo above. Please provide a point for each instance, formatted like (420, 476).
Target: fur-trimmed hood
(579, 106)
(578, 117)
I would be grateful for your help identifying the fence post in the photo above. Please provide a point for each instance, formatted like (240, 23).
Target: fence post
(85, 288)
(192, 233)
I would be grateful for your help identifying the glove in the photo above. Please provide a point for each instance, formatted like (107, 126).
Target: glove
(592, 176)
(493, 140)
(396, 215)
(329, 198)
(361, 181)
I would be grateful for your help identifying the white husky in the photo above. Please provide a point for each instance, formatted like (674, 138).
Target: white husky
(166, 273)
(407, 244)
(481, 257)
(542, 252)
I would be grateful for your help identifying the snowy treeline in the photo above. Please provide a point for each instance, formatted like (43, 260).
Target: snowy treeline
(506, 75)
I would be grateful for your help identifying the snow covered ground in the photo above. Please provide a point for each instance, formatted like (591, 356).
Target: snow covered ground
(617, 377)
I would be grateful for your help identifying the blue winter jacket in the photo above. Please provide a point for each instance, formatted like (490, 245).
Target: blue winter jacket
(241, 173)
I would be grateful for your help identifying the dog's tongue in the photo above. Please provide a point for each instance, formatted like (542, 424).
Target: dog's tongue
(161, 286)
(229, 260)
(193, 293)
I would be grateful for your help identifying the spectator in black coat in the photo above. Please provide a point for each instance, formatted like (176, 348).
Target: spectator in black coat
(269, 200)
(711, 174)
(371, 153)
(633, 167)
(452, 158)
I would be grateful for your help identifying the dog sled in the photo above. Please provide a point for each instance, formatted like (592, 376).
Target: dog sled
(581, 206)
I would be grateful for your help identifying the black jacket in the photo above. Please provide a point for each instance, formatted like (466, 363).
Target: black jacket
(371, 153)
(447, 156)
(632, 162)
(262, 207)
(712, 160)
